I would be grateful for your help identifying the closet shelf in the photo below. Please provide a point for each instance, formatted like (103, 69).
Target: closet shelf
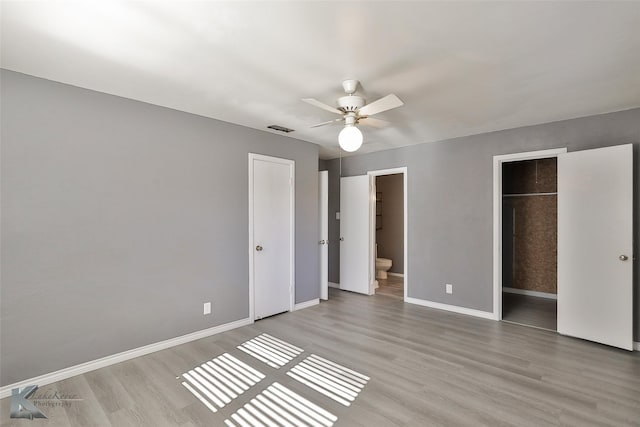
(530, 194)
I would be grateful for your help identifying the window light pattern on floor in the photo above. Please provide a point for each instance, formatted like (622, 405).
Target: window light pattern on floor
(334, 381)
(270, 350)
(277, 406)
(217, 382)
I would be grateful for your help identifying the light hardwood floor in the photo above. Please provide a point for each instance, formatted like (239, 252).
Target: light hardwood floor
(393, 286)
(426, 367)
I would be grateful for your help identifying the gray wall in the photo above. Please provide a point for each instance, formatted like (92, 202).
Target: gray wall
(390, 238)
(119, 219)
(450, 201)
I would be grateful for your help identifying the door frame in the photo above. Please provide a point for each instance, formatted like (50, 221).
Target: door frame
(372, 225)
(497, 215)
(292, 204)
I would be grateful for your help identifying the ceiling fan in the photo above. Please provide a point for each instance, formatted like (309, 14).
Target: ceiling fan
(354, 110)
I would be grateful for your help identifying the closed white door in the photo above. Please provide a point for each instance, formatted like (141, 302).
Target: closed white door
(323, 206)
(354, 234)
(595, 220)
(271, 239)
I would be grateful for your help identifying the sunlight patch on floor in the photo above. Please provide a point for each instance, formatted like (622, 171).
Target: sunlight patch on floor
(329, 378)
(270, 350)
(278, 406)
(217, 382)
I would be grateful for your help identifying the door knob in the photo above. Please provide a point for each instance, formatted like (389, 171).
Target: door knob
(258, 248)
(322, 242)
(623, 257)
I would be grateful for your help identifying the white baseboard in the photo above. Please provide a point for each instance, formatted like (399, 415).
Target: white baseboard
(395, 274)
(306, 304)
(82, 368)
(334, 285)
(453, 308)
(530, 293)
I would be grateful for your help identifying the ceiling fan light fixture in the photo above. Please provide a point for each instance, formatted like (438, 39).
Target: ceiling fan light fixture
(350, 138)
(352, 108)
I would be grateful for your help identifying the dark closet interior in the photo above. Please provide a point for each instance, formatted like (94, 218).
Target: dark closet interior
(529, 242)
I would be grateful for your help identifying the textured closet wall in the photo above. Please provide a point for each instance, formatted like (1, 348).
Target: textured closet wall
(530, 176)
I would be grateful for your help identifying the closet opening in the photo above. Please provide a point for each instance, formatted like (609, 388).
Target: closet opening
(529, 242)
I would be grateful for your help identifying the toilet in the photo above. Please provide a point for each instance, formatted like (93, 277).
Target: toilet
(382, 266)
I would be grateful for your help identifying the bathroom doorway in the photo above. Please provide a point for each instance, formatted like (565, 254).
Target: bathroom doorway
(388, 232)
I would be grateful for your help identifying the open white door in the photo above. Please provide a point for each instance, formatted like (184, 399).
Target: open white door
(271, 234)
(323, 205)
(354, 234)
(595, 220)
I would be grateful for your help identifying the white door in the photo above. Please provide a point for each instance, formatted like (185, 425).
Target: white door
(595, 219)
(354, 234)
(323, 205)
(271, 237)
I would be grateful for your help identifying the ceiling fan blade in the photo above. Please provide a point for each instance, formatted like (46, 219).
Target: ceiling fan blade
(382, 104)
(322, 105)
(376, 123)
(327, 123)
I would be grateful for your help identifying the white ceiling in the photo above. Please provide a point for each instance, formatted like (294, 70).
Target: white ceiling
(460, 67)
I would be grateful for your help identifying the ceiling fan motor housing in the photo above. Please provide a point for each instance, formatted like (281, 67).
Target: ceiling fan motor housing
(350, 103)
(350, 86)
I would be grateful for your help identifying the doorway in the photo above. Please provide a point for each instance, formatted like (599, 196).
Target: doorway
(271, 235)
(389, 242)
(499, 218)
(388, 232)
(530, 242)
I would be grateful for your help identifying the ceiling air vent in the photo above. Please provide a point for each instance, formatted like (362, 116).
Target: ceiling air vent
(280, 128)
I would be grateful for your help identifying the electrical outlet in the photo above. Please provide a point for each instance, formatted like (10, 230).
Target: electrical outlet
(338, 216)
(207, 308)
(449, 288)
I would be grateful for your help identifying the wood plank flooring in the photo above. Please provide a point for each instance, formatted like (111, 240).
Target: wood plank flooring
(530, 310)
(392, 286)
(426, 367)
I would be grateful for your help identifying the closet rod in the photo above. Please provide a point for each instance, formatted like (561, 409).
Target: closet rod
(529, 194)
